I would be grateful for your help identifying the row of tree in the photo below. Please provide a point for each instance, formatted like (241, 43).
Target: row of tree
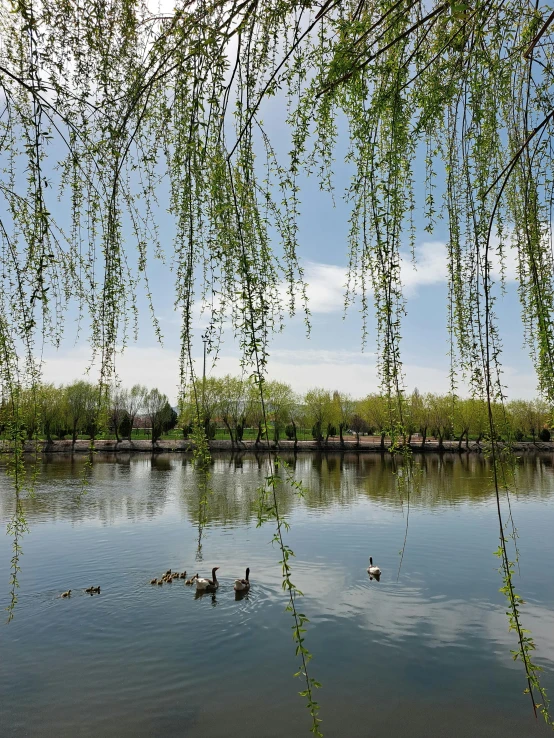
(83, 408)
(234, 404)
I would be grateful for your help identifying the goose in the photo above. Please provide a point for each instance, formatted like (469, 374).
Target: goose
(66, 594)
(207, 585)
(241, 585)
(373, 571)
(191, 580)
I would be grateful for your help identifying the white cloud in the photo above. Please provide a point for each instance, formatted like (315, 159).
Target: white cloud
(429, 267)
(326, 283)
(347, 371)
(326, 287)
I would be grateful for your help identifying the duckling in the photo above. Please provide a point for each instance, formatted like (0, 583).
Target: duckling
(66, 594)
(183, 575)
(168, 573)
(191, 580)
(152, 581)
(88, 590)
(95, 590)
(160, 582)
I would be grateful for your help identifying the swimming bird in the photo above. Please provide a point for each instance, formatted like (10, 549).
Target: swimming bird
(208, 585)
(191, 580)
(160, 582)
(373, 571)
(183, 575)
(152, 581)
(168, 573)
(241, 585)
(95, 590)
(66, 594)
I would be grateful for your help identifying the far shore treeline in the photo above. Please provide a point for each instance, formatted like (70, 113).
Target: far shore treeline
(229, 408)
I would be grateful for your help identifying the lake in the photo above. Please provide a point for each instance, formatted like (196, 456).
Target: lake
(424, 652)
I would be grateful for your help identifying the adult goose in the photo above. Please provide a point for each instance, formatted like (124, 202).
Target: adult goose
(373, 571)
(208, 585)
(242, 585)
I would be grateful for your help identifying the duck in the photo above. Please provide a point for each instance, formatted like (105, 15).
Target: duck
(66, 594)
(241, 585)
(208, 585)
(191, 580)
(153, 581)
(373, 571)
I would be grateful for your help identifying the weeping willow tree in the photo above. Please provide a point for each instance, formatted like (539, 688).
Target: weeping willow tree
(107, 103)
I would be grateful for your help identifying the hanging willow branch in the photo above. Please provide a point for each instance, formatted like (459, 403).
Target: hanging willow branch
(103, 104)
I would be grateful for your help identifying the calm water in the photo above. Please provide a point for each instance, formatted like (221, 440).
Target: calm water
(427, 654)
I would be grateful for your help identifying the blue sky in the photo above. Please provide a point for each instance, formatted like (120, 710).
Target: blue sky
(332, 356)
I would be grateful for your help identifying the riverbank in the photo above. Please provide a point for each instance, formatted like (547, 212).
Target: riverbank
(186, 446)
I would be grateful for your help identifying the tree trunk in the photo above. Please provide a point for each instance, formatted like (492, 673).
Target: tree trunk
(467, 439)
(131, 426)
(461, 438)
(74, 435)
(357, 439)
(424, 434)
(383, 440)
(295, 435)
(410, 439)
(230, 432)
(259, 436)
(441, 445)
(341, 438)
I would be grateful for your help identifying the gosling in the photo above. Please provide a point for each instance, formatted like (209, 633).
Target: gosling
(66, 594)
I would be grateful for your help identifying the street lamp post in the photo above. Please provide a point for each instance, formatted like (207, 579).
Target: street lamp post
(204, 341)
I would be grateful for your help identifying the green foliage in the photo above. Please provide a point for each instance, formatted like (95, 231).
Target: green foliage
(104, 99)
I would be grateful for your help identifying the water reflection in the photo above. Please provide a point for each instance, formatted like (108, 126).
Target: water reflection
(141, 486)
(432, 647)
